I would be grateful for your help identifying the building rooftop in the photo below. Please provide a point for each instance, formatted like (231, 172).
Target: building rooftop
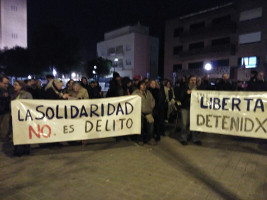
(206, 11)
(126, 30)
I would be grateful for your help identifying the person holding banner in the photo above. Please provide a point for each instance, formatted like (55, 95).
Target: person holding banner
(148, 104)
(224, 84)
(78, 92)
(53, 90)
(21, 93)
(68, 87)
(185, 100)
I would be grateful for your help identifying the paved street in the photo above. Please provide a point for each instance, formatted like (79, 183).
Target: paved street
(224, 167)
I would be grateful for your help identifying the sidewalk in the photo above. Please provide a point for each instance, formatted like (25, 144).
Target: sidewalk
(224, 167)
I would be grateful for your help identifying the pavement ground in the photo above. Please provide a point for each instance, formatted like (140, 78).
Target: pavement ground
(224, 167)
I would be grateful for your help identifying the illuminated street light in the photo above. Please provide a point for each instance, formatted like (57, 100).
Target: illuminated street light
(208, 67)
(73, 74)
(94, 72)
(29, 77)
(54, 72)
(115, 63)
(95, 67)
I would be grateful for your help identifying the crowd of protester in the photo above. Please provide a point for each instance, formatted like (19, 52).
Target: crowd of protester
(161, 101)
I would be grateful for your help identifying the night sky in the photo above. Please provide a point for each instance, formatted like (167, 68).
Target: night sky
(90, 19)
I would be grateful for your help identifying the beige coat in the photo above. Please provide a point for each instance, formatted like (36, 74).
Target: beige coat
(148, 101)
(82, 94)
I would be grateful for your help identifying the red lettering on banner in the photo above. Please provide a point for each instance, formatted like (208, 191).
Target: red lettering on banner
(40, 131)
(46, 135)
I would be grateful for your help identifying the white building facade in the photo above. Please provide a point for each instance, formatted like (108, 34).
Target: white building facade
(13, 23)
(132, 51)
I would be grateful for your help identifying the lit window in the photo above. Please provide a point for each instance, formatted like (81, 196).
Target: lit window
(249, 62)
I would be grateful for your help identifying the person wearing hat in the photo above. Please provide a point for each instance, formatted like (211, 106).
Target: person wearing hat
(115, 86)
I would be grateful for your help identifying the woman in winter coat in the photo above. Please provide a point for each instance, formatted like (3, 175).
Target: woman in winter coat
(170, 98)
(148, 104)
(158, 112)
(20, 93)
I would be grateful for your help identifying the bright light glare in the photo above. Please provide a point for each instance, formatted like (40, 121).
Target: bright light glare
(95, 67)
(73, 74)
(94, 72)
(54, 72)
(29, 77)
(208, 67)
(116, 59)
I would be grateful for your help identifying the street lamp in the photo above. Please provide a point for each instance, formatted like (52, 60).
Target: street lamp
(73, 75)
(54, 72)
(94, 72)
(208, 67)
(115, 63)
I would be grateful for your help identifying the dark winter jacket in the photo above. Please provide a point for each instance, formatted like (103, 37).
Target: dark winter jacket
(185, 98)
(4, 102)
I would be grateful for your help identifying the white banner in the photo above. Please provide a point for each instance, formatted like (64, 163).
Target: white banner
(231, 113)
(44, 121)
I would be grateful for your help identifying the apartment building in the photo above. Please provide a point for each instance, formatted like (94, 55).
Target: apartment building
(13, 23)
(231, 38)
(132, 50)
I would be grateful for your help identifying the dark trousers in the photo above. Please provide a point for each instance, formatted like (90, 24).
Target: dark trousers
(147, 130)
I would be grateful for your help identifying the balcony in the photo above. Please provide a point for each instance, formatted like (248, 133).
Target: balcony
(220, 29)
(210, 51)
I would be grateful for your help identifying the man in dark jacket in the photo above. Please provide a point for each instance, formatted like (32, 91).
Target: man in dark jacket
(5, 99)
(252, 82)
(115, 86)
(261, 84)
(185, 100)
(224, 84)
